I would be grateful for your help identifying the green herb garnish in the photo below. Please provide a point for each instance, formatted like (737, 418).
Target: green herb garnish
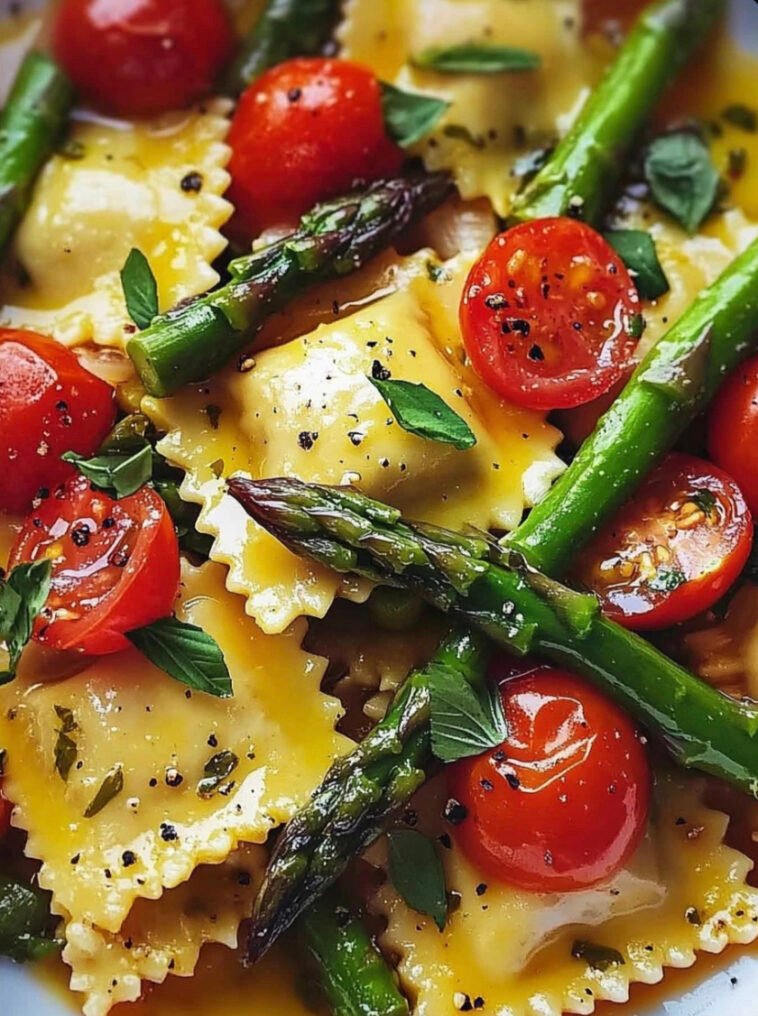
(464, 722)
(111, 787)
(121, 475)
(741, 116)
(65, 746)
(598, 957)
(23, 594)
(410, 116)
(417, 874)
(476, 58)
(682, 177)
(186, 653)
(140, 289)
(636, 249)
(421, 411)
(217, 769)
(666, 581)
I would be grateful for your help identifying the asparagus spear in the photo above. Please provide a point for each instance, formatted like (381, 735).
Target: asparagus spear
(672, 384)
(336, 238)
(360, 791)
(477, 581)
(582, 173)
(286, 28)
(352, 975)
(30, 126)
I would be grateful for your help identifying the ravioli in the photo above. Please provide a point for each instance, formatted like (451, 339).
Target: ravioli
(159, 828)
(683, 890)
(308, 409)
(493, 118)
(156, 186)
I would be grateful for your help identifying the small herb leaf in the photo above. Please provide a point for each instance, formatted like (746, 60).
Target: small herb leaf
(682, 177)
(421, 411)
(705, 500)
(217, 769)
(741, 116)
(417, 874)
(26, 926)
(140, 288)
(22, 596)
(111, 787)
(121, 474)
(667, 581)
(186, 653)
(598, 957)
(65, 747)
(476, 58)
(637, 250)
(463, 722)
(410, 116)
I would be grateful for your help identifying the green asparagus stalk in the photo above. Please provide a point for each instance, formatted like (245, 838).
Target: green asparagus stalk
(581, 175)
(351, 973)
(286, 28)
(494, 589)
(349, 809)
(31, 125)
(673, 383)
(194, 340)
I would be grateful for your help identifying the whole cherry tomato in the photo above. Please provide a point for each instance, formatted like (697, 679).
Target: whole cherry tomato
(733, 429)
(673, 550)
(549, 315)
(115, 565)
(142, 57)
(562, 803)
(305, 131)
(49, 404)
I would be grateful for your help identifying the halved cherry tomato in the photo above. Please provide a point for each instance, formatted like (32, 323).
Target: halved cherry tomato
(49, 404)
(142, 57)
(562, 802)
(674, 549)
(115, 565)
(733, 429)
(305, 131)
(548, 315)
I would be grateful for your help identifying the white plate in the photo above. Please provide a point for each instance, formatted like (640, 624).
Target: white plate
(733, 987)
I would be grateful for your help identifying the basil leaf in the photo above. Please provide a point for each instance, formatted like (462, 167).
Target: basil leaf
(463, 723)
(25, 921)
(667, 581)
(217, 769)
(636, 249)
(66, 748)
(598, 957)
(140, 288)
(410, 116)
(682, 177)
(119, 474)
(741, 116)
(23, 594)
(417, 873)
(111, 787)
(476, 58)
(186, 653)
(421, 411)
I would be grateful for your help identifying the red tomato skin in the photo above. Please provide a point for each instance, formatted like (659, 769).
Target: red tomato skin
(733, 429)
(710, 573)
(546, 315)
(49, 404)
(125, 576)
(142, 57)
(305, 131)
(562, 804)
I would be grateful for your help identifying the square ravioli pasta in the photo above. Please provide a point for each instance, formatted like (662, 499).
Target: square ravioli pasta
(308, 409)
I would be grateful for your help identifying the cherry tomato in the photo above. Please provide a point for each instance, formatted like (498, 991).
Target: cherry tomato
(115, 565)
(142, 57)
(674, 549)
(733, 429)
(548, 315)
(563, 802)
(305, 131)
(49, 404)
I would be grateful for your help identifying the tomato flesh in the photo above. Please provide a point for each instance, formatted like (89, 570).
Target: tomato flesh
(115, 565)
(674, 549)
(49, 404)
(563, 802)
(733, 429)
(548, 315)
(305, 131)
(142, 57)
